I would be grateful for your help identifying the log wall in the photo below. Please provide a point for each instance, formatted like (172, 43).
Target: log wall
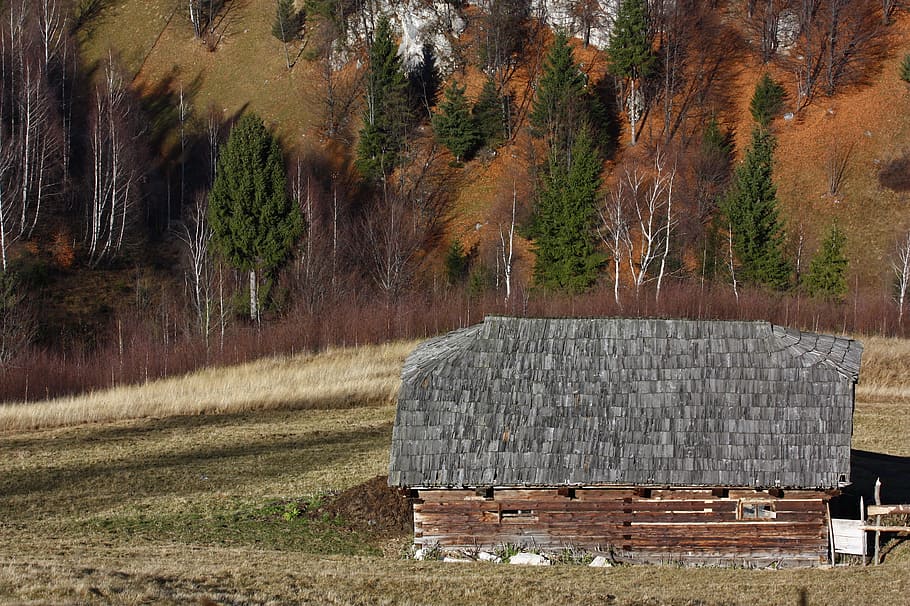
(698, 526)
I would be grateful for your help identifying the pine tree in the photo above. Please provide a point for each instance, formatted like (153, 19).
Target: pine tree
(630, 52)
(287, 21)
(254, 223)
(487, 114)
(564, 225)
(905, 68)
(456, 263)
(827, 271)
(559, 106)
(386, 113)
(751, 212)
(453, 125)
(767, 101)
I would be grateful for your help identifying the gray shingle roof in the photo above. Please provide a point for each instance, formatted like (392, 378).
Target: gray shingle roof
(526, 402)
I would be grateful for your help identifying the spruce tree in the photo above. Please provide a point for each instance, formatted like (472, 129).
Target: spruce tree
(456, 263)
(487, 114)
(828, 270)
(287, 21)
(254, 223)
(767, 101)
(453, 125)
(559, 106)
(905, 68)
(630, 53)
(386, 114)
(751, 212)
(564, 225)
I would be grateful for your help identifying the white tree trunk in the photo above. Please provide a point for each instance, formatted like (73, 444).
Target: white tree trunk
(901, 267)
(507, 249)
(254, 297)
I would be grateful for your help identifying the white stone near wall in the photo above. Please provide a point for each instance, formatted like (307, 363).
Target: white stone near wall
(529, 559)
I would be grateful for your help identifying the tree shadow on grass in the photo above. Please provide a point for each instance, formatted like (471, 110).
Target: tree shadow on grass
(185, 471)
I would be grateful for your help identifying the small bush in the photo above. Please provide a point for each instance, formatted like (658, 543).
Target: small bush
(905, 68)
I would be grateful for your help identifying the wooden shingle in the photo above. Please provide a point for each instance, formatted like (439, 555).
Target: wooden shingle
(532, 402)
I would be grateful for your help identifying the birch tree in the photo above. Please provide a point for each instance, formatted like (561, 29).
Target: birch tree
(195, 233)
(647, 238)
(901, 267)
(114, 169)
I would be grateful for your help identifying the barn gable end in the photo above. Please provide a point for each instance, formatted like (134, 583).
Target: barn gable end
(533, 410)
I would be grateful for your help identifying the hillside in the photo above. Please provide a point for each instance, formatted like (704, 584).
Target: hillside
(866, 125)
(180, 492)
(378, 258)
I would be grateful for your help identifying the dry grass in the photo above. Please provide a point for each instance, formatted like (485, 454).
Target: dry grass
(333, 379)
(882, 417)
(172, 510)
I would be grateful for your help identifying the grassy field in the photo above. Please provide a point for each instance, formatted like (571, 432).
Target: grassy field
(180, 492)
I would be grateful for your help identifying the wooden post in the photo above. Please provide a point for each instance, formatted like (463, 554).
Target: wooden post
(862, 516)
(830, 533)
(878, 518)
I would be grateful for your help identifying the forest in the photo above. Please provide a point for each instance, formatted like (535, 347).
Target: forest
(454, 159)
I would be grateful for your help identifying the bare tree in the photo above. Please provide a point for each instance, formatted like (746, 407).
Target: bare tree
(17, 322)
(763, 20)
(27, 112)
(507, 247)
(614, 230)
(114, 171)
(649, 195)
(838, 42)
(697, 52)
(196, 236)
(836, 165)
(901, 267)
(404, 220)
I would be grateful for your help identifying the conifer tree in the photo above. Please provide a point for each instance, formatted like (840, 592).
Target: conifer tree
(631, 55)
(453, 125)
(254, 223)
(386, 114)
(456, 263)
(287, 22)
(559, 106)
(905, 68)
(767, 101)
(751, 212)
(564, 225)
(487, 114)
(286, 25)
(827, 271)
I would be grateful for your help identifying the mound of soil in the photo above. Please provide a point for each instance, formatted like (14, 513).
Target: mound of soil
(372, 507)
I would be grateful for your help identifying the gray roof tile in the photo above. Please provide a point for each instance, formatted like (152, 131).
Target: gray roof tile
(596, 401)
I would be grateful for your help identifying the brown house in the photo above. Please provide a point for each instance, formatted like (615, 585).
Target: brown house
(651, 440)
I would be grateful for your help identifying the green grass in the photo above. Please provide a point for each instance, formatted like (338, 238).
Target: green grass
(232, 523)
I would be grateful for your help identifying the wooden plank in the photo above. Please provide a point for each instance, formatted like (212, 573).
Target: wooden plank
(887, 528)
(884, 510)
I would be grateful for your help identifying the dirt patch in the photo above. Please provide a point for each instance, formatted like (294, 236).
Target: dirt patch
(372, 507)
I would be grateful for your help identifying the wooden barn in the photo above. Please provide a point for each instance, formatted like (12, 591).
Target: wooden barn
(651, 440)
